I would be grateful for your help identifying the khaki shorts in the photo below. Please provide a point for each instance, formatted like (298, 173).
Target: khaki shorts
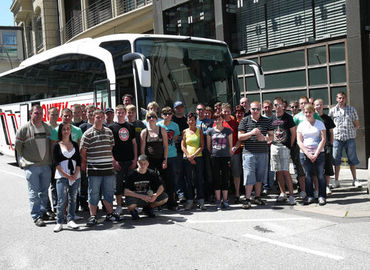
(280, 155)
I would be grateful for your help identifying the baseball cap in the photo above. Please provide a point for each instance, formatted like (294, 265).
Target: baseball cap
(108, 110)
(142, 157)
(178, 103)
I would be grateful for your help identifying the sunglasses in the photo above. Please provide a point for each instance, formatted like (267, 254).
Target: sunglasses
(278, 105)
(294, 107)
(167, 114)
(151, 117)
(255, 109)
(200, 109)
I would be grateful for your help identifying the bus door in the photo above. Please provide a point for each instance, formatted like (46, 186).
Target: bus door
(102, 94)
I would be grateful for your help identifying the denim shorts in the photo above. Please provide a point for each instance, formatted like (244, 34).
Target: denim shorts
(280, 156)
(255, 166)
(350, 148)
(105, 184)
(141, 203)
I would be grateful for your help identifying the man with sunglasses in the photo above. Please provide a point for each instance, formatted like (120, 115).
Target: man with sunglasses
(171, 177)
(256, 132)
(294, 107)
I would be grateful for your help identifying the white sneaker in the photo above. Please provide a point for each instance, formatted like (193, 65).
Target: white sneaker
(118, 210)
(335, 184)
(281, 198)
(302, 194)
(58, 227)
(328, 191)
(78, 217)
(71, 224)
(356, 183)
(322, 201)
(291, 200)
(315, 194)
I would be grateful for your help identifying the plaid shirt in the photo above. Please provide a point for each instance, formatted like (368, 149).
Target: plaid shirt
(343, 119)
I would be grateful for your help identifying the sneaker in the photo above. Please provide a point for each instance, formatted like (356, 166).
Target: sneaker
(308, 200)
(237, 200)
(40, 222)
(201, 205)
(135, 215)
(322, 201)
(315, 194)
(225, 204)
(188, 205)
(149, 211)
(281, 198)
(258, 201)
(71, 224)
(58, 227)
(356, 183)
(78, 217)
(118, 210)
(264, 192)
(247, 204)
(302, 195)
(328, 191)
(91, 221)
(51, 215)
(335, 184)
(291, 200)
(112, 217)
(218, 205)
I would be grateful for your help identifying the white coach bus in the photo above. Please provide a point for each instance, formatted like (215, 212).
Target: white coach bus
(101, 70)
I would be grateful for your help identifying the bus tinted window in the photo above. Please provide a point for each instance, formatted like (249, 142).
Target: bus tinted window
(186, 70)
(63, 75)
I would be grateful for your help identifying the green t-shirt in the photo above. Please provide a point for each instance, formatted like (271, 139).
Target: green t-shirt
(76, 134)
(300, 117)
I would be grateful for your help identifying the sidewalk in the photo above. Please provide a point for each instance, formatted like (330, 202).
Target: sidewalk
(346, 201)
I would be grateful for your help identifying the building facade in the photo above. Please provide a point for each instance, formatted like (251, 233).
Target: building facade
(11, 47)
(49, 23)
(314, 48)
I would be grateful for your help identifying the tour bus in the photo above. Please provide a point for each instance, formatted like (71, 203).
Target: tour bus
(100, 71)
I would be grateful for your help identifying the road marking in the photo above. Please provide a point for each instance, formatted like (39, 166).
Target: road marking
(290, 246)
(245, 220)
(21, 176)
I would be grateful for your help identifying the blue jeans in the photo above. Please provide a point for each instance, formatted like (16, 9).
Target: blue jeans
(194, 177)
(106, 184)
(308, 166)
(38, 180)
(64, 189)
(350, 148)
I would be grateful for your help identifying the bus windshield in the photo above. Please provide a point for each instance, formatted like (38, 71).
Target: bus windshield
(191, 71)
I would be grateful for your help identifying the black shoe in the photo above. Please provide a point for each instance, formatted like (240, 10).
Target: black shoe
(258, 201)
(237, 200)
(113, 217)
(49, 215)
(40, 222)
(91, 221)
(247, 204)
(135, 215)
(149, 211)
(84, 208)
(308, 200)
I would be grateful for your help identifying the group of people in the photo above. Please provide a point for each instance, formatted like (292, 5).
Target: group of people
(171, 157)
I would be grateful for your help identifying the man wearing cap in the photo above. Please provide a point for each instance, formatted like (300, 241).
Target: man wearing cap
(144, 188)
(109, 116)
(180, 119)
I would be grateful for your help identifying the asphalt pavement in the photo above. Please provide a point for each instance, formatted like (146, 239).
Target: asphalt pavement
(274, 236)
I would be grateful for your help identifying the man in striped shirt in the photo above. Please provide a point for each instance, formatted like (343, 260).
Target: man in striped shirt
(96, 152)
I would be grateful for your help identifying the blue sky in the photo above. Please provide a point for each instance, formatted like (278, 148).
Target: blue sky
(6, 17)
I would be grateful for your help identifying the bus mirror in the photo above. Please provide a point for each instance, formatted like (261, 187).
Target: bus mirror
(143, 74)
(142, 66)
(258, 72)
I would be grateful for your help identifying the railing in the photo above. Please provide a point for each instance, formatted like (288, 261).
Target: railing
(125, 6)
(98, 12)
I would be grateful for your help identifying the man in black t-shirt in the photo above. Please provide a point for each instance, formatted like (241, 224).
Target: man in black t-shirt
(255, 131)
(77, 120)
(144, 188)
(124, 152)
(329, 125)
(284, 137)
